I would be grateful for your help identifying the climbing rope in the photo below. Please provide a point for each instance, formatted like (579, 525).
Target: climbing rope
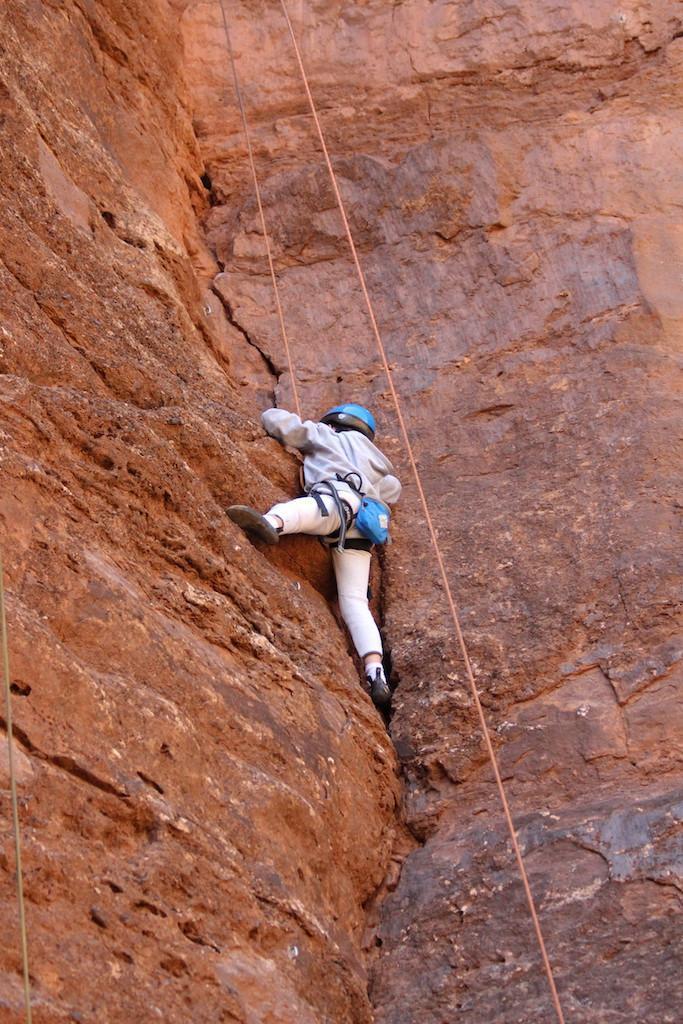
(416, 473)
(14, 797)
(430, 526)
(257, 191)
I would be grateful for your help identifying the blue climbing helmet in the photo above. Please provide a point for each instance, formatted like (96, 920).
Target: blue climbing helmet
(351, 417)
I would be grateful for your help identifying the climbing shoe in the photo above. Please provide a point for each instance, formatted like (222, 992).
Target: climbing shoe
(379, 689)
(253, 522)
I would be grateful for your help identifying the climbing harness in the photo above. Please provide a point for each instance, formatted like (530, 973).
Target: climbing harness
(371, 519)
(14, 798)
(422, 496)
(344, 510)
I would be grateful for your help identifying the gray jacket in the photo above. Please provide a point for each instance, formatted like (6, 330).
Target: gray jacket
(327, 453)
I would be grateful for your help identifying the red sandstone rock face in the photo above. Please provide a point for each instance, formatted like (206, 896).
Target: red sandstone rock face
(512, 178)
(208, 798)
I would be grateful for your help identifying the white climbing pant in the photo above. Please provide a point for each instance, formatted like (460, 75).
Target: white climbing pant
(351, 568)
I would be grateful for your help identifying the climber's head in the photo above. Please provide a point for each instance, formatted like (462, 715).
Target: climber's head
(351, 417)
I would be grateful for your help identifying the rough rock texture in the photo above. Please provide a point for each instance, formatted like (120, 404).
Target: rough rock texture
(209, 800)
(513, 177)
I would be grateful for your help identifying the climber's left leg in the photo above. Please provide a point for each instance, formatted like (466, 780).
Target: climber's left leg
(352, 570)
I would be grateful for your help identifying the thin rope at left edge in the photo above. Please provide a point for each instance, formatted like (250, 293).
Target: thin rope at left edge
(257, 191)
(14, 798)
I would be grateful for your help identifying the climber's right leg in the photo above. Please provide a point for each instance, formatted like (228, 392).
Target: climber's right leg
(302, 515)
(251, 520)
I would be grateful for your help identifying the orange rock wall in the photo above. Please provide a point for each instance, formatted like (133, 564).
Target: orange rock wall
(512, 179)
(210, 803)
(207, 797)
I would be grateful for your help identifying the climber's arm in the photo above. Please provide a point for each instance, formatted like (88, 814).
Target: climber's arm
(288, 428)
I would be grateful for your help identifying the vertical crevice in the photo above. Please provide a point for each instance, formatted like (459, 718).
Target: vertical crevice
(381, 608)
(270, 366)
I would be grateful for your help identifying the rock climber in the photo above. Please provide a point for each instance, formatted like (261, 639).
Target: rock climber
(348, 484)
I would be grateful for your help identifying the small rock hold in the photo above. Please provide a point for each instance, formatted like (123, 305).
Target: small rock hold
(98, 917)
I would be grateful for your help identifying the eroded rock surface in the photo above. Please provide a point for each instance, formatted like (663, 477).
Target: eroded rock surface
(209, 801)
(512, 179)
(207, 797)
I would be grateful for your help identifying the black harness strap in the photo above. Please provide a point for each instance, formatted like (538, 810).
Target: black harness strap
(346, 513)
(358, 488)
(356, 544)
(318, 498)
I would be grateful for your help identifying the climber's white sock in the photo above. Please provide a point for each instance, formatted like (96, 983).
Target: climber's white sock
(371, 670)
